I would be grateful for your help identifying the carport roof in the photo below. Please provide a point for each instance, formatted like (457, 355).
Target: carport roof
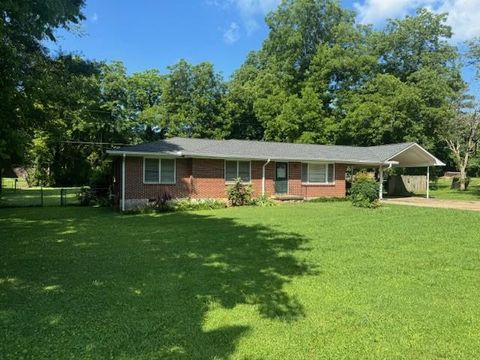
(404, 154)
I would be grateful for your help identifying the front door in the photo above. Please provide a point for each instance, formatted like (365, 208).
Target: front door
(281, 178)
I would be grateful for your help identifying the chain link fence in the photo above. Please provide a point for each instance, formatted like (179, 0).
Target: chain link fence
(12, 195)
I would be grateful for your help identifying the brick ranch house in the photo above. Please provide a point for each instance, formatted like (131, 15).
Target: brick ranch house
(199, 168)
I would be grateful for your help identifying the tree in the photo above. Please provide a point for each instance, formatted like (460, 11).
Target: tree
(240, 99)
(297, 28)
(23, 25)
(462, 135)
(144, 103)
(321, 78)
(473, 54)
(409, 44)
(193, 102)
(68, 101)
(384, 111)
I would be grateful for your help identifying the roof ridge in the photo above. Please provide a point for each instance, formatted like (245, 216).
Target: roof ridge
(300, 144)
(401, 143)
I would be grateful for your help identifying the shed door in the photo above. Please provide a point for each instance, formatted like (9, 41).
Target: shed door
(281, 178)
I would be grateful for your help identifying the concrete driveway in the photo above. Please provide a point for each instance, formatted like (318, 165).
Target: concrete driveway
(435, 203)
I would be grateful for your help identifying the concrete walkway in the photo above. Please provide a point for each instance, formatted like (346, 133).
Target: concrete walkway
(435, 203)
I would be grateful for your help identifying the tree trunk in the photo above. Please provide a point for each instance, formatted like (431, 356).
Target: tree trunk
(463, 179)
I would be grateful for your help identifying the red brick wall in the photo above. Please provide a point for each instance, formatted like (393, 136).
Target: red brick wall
(204, 178)
(334, 190)
(257, 168)
(136, 189)
(208, 178)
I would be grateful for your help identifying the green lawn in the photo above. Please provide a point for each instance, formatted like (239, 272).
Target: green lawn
(300, 281)
(441, 190)
(9, 183)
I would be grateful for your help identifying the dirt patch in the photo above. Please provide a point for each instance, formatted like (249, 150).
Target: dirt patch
(435, 203)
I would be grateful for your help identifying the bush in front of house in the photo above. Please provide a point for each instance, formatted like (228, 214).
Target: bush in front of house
(263, 201)
(200, 204)
(364, 191)
(239, 194)
(161, 202)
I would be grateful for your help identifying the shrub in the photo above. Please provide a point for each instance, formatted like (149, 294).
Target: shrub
(202, 204)
(239, 194)
(263, 201)
(85, 196)
(162, 202)
(364, 193)
(363, 176)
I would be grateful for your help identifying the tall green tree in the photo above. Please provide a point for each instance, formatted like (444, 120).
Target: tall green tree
(193, 102)
(240, 99)
(283, 86)
(297, 28)
(64, 148)
(415, 89)
(473, 54)
(144, 103)
(23, 25)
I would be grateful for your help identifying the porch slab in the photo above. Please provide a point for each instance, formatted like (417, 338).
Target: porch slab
(434, 203)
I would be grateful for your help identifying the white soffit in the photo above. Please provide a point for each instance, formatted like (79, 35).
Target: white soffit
(415, 156)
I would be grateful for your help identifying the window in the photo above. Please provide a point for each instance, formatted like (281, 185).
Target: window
(237, 169)
(316, 173)
(167, 171)
(159, 171)
(151, 170)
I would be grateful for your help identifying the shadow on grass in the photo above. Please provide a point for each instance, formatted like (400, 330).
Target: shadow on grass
(89, 283)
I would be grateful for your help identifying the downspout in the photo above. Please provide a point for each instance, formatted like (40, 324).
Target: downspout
(390, 164)
(263, 176)
(123, 182)
(380, 188)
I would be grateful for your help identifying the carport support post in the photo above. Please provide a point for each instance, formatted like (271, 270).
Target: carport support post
(380, 190)
(428, 182)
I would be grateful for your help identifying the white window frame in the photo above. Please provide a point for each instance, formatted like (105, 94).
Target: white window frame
(160, 170)
(326, 173)
(237, 160)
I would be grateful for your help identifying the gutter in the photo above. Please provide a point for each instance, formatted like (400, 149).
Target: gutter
(180, 154)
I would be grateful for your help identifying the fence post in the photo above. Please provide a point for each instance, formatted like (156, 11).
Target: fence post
(41, 196)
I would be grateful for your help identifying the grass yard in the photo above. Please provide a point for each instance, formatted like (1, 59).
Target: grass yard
(300, 281)
(441, 190)
(12, 183)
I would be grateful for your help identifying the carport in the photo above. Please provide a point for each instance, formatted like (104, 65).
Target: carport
(409, 155)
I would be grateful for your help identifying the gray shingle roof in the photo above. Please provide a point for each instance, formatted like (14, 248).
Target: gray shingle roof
(246, 149)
